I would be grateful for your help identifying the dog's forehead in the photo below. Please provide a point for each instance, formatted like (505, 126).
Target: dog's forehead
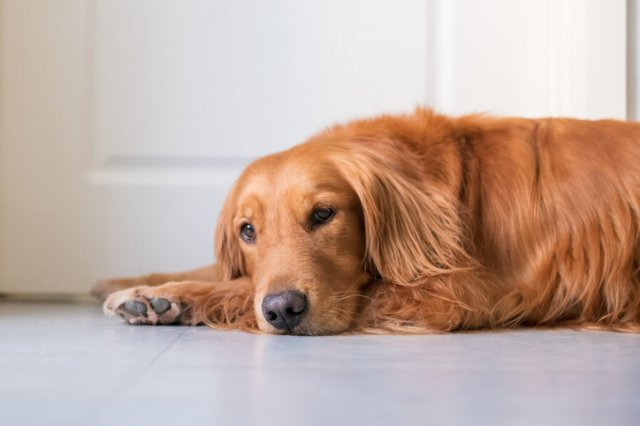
(292, 178)
(289, 173)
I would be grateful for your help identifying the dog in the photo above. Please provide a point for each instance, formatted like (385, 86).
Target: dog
(419, 223)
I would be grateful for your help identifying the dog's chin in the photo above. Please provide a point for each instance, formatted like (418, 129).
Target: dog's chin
(305, 329)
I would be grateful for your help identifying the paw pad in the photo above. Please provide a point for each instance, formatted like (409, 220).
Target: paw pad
(160, 305)
(134, 307)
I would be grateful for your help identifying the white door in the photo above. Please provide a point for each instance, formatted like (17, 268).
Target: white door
(124, 122)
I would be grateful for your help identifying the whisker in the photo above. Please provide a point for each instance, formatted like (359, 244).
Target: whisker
(341, 313)
(348, 296)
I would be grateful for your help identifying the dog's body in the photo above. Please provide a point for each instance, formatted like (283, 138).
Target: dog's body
(421, 223)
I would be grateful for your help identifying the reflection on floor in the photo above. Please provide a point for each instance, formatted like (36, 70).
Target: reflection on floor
(65, 364)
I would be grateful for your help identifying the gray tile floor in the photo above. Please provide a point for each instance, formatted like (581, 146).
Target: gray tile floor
(65, 364)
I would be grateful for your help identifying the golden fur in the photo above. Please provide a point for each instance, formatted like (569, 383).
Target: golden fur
(442, 223)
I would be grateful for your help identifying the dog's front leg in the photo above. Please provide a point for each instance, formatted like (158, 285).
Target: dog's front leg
(227, 304)
(452, 302)
(104, 288)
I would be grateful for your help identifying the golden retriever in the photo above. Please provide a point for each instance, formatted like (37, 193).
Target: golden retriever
(420, 223)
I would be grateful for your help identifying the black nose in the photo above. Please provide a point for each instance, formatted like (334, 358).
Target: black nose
(284, 310)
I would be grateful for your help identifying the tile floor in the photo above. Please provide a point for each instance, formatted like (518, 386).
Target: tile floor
(65, 364)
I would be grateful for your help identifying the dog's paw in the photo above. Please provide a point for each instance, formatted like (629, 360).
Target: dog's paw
(144, 306)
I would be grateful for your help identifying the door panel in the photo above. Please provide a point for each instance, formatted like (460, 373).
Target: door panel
(530, 58)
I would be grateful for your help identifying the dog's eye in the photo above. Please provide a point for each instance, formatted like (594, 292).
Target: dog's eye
(248, 233)
(321, 215)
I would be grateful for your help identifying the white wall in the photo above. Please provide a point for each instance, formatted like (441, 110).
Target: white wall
(124, 122)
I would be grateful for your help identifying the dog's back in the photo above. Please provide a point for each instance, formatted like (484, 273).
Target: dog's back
(555, 209)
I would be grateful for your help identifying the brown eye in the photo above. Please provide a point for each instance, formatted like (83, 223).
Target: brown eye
(248, 233)
(321, 216)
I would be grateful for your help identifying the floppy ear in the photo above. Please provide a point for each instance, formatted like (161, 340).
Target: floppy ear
(412, 226)
(228, 253)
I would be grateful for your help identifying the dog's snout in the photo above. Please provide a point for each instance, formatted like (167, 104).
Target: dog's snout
(284, 310)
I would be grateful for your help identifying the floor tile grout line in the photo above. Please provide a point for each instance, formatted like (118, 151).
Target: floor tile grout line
(162, 352)
(113, 398)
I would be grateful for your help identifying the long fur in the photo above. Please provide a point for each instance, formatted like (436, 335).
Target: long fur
(551, 214)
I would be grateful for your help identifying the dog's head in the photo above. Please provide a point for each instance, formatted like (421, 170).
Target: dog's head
(313, 225)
